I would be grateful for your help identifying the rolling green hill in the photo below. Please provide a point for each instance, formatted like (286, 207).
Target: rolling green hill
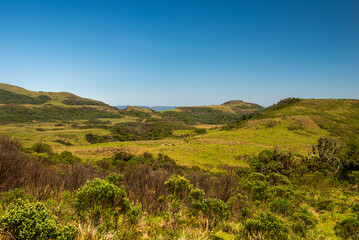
(215, 114)
(339, 117)
(18, 95)
(20, 105)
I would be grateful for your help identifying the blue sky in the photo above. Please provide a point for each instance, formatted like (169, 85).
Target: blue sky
(179, 52)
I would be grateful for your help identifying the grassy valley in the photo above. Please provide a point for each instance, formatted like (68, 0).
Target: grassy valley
(230, 171)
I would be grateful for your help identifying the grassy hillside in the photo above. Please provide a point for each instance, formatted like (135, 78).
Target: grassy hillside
(339, 117)
(20, 105)
(55, 98)
(215, 114)
(51, 106)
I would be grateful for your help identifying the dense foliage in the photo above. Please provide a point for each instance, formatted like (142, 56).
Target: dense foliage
(7, 97)
(191, 115)
(30, 221)
(133, 132)
(126, 196)
(79, 101)
(18, 113)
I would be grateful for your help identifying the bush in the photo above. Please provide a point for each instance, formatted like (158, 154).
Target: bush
(265, 225)
(115, 179)
(325, 204)
(215, 210)
(67, 157)
(15, 195)
(41, 147)
(200, 131)
(178, 187)
(101, 198)
(63, 142)
(29, 221)
(122, 156)
(257, 186)
(347, 228)
(303, 221)
(281, 205)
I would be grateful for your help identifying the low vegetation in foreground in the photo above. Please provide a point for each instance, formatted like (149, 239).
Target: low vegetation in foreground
(48, 195)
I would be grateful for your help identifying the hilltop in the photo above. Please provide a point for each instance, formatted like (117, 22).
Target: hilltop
(11, 94)
(339, 117)
(19, 105)
(215, 114)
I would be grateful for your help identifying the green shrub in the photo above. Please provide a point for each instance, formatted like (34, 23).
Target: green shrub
(355, 207)
(197, 194)
(281, 205)
(101, 198)
(303, 220)
(178, 187)
(214, 210)
(115, 179)
(265, 225)
(347, 228)
(324, 203)
(29, 221)
(15, 195)
(67, 157)
(41, 147)
(257, 186)
(134, 213)
(122, 156)
(63, 142)
(200, 131)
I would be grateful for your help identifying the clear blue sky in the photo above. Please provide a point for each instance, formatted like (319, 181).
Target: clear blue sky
(179, 52)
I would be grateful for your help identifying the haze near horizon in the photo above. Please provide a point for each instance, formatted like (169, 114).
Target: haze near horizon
(179, 53)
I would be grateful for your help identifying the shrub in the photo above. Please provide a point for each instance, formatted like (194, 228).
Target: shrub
(280, 205)
(122, 156)
(265, 225)
(178, 187)
(324, 203)
(257, 186)
(63, 142)
(67, 157)
(303, 221)
(197, 194)
(115, 179)
(214, 210)
(101, 198)
(200, 131)
(15, 195)
(347, 228)
(29, 221)
(134, 213)
(41, 147)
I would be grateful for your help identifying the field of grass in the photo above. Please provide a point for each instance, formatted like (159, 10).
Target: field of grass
(295, 128)
(210, 150)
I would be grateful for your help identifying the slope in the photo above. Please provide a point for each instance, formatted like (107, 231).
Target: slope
(55, 98)
(215, 114)
(20, 105)
(340, 117)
